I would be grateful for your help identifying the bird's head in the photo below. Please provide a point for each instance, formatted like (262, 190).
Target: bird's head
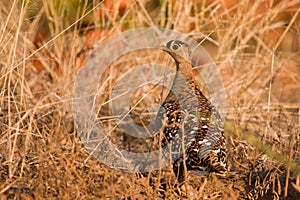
(177, 48)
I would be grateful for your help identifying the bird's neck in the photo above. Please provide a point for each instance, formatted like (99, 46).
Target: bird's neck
(184, 84)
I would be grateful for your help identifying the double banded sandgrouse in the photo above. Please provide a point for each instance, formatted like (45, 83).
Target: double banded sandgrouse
(191, 125)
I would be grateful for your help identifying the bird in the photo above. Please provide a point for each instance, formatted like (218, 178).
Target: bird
(192, 127)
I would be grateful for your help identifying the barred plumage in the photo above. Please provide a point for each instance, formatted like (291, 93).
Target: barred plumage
(189, 118)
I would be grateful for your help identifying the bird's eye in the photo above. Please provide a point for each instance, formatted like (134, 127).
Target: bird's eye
(175, 47)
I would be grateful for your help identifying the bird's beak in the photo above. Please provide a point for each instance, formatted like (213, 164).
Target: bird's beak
(162, 47)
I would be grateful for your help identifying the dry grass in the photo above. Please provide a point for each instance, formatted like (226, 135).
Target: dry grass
(255, 45)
